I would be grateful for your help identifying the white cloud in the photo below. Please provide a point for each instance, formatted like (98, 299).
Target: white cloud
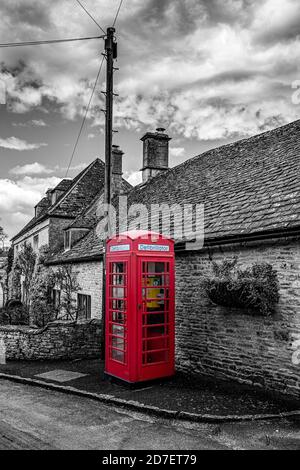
(14, 143)
(285, 18)
(237, 58)
(31, 169)
(78, 167)
(204, 69)
(32, 123)
(134, 177)
(176, 152)
(38, 123)
(17, 200)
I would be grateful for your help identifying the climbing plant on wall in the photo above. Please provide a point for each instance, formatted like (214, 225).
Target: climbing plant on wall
(42, 310)
(66, 281)
(24, 266)
(255, 287)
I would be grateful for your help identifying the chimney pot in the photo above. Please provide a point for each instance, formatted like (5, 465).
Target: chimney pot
(155, 153)
(117, 170)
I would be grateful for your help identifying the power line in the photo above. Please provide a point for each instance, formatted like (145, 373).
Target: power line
(85, 116)
(117, 14)
(90, 16)
(51, 41)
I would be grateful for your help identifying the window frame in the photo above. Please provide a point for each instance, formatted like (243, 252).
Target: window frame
(84, 304)
(35, 242)
(67, 239)
(56, 294)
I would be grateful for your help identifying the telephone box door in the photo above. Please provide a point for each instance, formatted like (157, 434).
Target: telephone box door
(156, 318)
(117, 316)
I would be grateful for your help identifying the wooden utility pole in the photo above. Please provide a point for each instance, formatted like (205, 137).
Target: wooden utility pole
(111, 54)
(109, 48)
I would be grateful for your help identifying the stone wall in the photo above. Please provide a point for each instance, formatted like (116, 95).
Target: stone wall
(226, 343)
(56, 233)
(90, 281)
(41, 229)
(58, 340)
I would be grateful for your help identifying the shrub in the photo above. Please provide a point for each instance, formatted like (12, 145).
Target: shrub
(256, 287)
(42, 310)
(14, 315)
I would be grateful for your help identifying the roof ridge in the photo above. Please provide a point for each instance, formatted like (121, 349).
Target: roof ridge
(73, 185)
(89, 207)
(189, 161)
(34, 220)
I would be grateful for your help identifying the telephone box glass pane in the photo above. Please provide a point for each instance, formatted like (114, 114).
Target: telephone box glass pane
(118, 314)
(154, 319)
(117, 330)
(155, 311)
(118, 355)
(118, 292)
(153, 331)
(119, 305)
(155, 357)
(118, 343)
(156, 344)
(118, 317)
(153, 267)
(118, 268)
(118, 280)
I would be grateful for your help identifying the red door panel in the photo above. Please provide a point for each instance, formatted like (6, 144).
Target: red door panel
(155, 318)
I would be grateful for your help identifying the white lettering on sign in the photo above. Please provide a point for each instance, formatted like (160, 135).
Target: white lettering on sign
(154, 248)
(120, 248)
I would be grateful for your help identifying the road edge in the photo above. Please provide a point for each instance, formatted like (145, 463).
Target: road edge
(148, 409)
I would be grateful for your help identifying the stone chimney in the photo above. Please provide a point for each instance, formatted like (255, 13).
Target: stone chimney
(117, 170)
(48, 194)
(155, 153)
(40, 207)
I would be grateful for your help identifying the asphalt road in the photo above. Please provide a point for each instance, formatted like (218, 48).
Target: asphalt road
(35, 418)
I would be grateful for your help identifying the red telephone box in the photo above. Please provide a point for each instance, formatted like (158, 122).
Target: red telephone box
(140, 307)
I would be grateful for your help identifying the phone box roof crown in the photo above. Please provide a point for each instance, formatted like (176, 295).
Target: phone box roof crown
(140, 241)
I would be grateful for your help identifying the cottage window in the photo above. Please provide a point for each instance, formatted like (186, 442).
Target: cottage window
(68, 240)
(36, 242)
(53, 198)
(56, 295)
(84, 306)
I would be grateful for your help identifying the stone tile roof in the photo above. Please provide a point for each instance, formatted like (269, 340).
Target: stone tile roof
(250, 186)
(79, 193)
(89, 247)
(64, 185)
(82, 191)
(88, 216)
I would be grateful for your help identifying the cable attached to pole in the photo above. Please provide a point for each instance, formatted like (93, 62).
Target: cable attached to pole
(92, 18)
(51, 41)
(118, 11)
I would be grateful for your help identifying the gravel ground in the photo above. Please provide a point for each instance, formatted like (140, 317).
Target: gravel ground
(201, 395)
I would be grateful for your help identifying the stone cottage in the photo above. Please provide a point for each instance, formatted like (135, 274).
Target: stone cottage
(251, 196)
(61, 208)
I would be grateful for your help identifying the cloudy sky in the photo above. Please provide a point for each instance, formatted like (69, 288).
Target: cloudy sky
(210, 71)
